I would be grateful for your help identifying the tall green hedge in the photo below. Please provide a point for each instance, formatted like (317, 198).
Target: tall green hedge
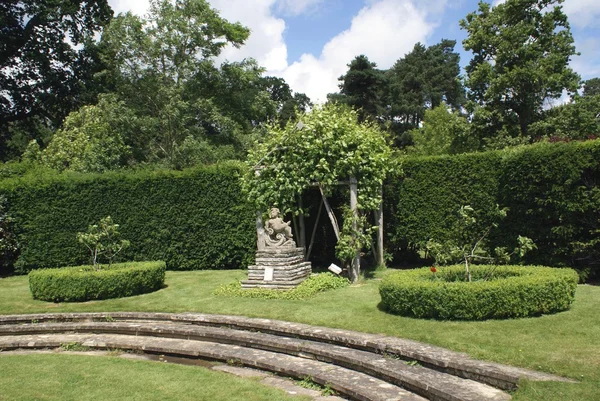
(425, 199)
(551, 189)
(195, 219)
(199, 219)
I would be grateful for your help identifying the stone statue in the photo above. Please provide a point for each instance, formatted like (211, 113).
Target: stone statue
(275, 225)
(278, 233)
(279, 264)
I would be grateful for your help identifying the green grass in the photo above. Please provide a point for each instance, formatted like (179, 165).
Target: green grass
(566, 343)
(76, 377)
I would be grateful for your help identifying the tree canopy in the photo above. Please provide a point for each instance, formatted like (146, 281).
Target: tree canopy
(397, 98)
(521, 53)
(162, 67)
(362, 88)
(421, 80)
(46, 62)
(591, 87)
(443, 132)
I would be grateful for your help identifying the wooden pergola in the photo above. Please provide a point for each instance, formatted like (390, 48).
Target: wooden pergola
(299, 224)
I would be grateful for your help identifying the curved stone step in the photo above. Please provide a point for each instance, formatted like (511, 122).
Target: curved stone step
(356, 385)
(423, 381)
(460, 364)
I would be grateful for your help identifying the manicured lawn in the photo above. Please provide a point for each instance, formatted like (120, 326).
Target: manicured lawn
(566, 343)
(76, 377)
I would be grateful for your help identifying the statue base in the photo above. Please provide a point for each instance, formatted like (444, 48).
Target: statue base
(278, 268)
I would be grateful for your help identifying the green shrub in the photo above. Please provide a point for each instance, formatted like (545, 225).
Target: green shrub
(508, 292)
(551, 190)
(308, 288)
(192, 219)
(84, 283)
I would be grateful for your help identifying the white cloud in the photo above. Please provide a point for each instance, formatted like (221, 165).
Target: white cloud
(266, 43)
(588, 64)
(583, 13)
(384, 31)
(297, 7)
(139, 7)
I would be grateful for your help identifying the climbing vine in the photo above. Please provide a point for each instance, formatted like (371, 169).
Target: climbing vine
(326, 146)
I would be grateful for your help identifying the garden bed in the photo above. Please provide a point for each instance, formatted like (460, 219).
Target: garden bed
(496, 292)
(84, 283)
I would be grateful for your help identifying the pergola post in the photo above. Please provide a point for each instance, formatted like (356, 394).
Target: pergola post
(355, 265)
(301, 224)
(379, 214)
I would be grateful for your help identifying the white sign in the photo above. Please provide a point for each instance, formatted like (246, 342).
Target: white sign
(334, 268)
(268, 274)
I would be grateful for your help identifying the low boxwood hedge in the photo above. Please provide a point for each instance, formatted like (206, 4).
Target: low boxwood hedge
(84, 283)
(508, 292)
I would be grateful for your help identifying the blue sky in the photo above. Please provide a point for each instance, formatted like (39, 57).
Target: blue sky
(310, 42)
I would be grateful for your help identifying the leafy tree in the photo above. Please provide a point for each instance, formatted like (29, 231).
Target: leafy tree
(162, 67)
(522, 50)
(443, 132)
(579, 119)
(591, 87)
(361, 88)
(326, 146)
(468, 243)
(102, 239)
(91, 139)
(287, 103)
(43, 75)
(422, 80)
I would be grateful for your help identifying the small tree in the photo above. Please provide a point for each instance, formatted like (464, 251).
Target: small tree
(468, 244)
(102, 239)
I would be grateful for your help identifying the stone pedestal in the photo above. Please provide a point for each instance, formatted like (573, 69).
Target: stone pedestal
(280, 268)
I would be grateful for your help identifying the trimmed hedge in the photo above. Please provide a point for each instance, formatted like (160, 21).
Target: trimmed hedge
(200, 219)
(84, 283)
(514, 291)
(423, 202)
(552, 191)
(192, 219)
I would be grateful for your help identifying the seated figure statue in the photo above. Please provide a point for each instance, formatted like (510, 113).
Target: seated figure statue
(279, 232)
(275, 225)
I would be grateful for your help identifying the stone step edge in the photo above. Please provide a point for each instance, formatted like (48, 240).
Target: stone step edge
(498, 375)
(428, 383)
(356, 385)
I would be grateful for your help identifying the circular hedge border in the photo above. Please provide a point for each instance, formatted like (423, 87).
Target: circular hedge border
(516, 291)
(84, 283)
